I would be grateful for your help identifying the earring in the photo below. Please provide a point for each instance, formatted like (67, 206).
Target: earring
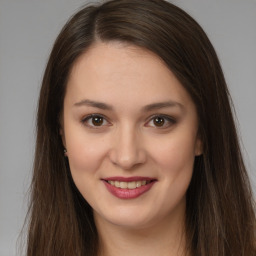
(65, 152)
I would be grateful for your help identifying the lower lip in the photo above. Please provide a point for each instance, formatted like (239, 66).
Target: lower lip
(123, 193)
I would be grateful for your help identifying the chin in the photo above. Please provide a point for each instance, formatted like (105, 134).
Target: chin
(135, 219)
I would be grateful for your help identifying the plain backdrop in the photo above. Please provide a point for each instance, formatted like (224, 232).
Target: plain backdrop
(27, 31)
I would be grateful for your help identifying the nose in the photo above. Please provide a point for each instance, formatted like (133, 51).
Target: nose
(127, 150)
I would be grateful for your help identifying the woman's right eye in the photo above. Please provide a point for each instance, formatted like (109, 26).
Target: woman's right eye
(95, 121)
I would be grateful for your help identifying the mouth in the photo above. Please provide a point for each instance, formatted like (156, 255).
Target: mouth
(129, 185)
(128, 188)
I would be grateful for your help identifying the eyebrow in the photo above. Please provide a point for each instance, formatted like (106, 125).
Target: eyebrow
(159, 105)
(94, 104)
(147, 108)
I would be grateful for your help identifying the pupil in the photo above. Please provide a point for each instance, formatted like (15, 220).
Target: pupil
(97, 121)
(159, 121)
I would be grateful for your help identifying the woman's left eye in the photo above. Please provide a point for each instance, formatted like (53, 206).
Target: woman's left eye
(95, 121)
(161, 121)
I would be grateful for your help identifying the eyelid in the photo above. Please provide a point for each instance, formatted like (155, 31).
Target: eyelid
(168, 118)
(88, 117)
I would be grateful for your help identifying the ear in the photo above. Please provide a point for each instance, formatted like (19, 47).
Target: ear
(198, 146)
(62, 134)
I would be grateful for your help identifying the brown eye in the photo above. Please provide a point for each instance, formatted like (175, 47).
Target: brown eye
(159, 121)
(94, 121)
(97, 120)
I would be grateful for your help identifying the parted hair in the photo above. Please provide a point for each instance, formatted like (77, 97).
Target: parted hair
(220, 214)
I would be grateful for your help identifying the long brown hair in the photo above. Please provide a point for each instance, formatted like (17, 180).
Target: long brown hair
(220, 217)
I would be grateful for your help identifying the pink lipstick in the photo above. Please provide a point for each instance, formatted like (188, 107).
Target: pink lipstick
(128, 187)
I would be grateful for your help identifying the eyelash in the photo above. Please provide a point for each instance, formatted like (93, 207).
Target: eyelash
(166, 118)
(87, 118)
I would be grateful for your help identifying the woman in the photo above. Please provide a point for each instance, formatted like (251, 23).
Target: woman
(137, 151)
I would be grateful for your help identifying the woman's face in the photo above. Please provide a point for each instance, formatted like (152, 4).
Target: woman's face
(130, 130)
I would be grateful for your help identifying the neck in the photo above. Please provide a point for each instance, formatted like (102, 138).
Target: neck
(165, 238)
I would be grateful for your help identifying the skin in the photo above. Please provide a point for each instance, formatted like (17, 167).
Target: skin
(129, 142)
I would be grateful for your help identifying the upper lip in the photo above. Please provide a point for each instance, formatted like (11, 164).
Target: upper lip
(129, 179)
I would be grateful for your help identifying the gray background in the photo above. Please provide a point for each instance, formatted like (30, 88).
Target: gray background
(27, 31)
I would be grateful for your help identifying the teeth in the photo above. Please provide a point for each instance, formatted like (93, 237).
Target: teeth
(123, 184)
(128, 185)
(138, 184)
(131, 185)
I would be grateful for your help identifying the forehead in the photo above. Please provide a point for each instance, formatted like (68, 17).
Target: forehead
(112, 69)
(115, 57)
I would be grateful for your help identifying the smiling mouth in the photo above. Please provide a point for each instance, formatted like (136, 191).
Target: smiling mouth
(129, 185)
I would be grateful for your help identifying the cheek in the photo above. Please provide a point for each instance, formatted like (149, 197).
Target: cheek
(85, 153)
(175, 154)
(174, 158)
